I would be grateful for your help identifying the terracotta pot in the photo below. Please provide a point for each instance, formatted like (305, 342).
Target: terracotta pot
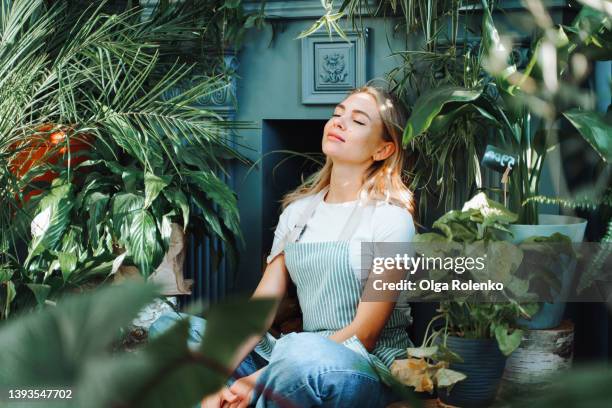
(49, 145)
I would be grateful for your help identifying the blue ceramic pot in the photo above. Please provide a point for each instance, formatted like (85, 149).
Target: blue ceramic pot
(483, 364)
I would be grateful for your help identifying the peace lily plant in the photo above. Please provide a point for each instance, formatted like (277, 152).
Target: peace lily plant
(151, 154)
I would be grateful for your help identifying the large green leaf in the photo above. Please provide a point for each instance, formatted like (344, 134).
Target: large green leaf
(96, 205)
(68, 263)
(422, 352)
(445, 377)
(53, 216)
(142, 243)
(124, 208)
(166, 372)
(588, 385)
(71, 346)
(179, 199)
(136, 229)
(442, 122)
(54, 346)
(220, 194)
(153, 186)
(496, 51)
(595, 128)
(229, 326)
(429, 105)
(507, 340)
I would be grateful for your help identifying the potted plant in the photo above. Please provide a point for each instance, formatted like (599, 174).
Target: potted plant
(475, 330)
(507, 104)
(150, 156)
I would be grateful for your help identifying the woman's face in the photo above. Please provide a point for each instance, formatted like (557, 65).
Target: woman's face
(354, 134)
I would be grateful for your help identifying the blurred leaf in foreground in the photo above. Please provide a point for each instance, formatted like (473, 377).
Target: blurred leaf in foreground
(70, 346)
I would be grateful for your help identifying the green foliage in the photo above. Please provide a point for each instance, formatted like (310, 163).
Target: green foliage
(112, 82)
(328, 20)
(512, 125)
(586, 386)
(70, 346)
(429, 106)
(596, 129)
(228, 23)
(449, 136)
(589, 202)
(478, 229)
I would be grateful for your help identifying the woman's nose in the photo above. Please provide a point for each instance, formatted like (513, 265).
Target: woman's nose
(338, 122)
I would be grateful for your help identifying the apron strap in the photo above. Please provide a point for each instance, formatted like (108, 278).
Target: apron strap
(308, 212)
(296, 232)
(352, 223)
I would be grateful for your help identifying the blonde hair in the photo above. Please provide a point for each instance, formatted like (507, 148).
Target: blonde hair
(383, 180)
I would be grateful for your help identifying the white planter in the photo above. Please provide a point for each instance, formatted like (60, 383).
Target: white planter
(549, 224)
(551, 314)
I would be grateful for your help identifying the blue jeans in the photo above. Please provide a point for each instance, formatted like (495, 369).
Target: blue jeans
(305, 370)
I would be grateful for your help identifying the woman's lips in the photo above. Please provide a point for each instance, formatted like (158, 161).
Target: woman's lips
(334, 136)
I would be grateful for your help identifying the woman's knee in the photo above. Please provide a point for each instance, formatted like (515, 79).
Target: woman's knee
(313, 351)
(313, 383)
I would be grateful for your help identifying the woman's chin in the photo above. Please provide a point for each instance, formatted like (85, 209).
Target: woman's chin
(331, 149)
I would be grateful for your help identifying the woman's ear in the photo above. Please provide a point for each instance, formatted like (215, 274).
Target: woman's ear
(384, 151)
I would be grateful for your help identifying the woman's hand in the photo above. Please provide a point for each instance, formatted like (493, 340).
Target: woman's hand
(217, 399)
(238, 395)
(243, 388)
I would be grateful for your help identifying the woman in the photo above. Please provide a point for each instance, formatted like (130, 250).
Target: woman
(342, 356)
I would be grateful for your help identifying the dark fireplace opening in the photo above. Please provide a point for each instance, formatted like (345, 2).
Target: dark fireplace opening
(291, 151)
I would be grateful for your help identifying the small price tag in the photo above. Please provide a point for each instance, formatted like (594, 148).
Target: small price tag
(498, 160)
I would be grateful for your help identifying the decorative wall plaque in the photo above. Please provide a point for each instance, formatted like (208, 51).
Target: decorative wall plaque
(332, 66)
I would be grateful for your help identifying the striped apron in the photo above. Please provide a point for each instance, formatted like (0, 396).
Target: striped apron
(329, 292)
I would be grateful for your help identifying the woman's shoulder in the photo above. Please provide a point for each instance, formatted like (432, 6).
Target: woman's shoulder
(292, 212)
(392, 222)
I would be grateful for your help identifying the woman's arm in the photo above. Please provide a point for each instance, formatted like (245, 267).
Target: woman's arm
(273, 284)
(392, 224)
(367, 325)
(373, 311)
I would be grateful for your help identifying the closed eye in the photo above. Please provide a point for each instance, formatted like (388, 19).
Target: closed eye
(359, 123)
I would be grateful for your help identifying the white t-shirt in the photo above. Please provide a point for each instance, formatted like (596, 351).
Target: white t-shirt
(380, 222)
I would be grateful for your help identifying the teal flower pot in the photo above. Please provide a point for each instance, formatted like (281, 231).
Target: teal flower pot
(483, 364)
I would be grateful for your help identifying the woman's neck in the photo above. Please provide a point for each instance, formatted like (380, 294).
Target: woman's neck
(345, 183)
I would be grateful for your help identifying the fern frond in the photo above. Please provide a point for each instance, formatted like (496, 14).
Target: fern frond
(583, 202)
